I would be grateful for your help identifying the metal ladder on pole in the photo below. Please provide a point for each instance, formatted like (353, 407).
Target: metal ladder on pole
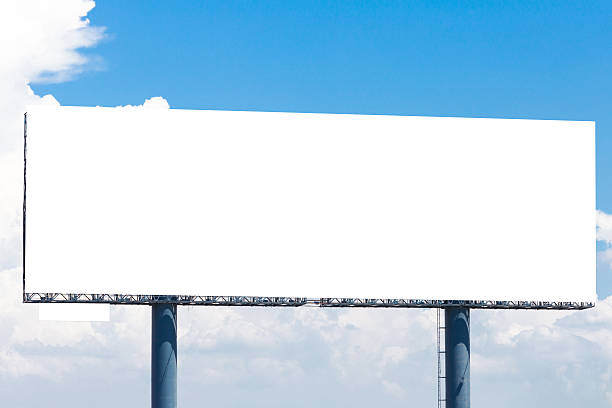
(440, 325)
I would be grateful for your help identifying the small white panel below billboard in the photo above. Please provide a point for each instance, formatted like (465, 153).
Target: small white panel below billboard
(221, 203)
(74, 312)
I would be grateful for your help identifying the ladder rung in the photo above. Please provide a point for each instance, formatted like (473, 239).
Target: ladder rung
(441, 378)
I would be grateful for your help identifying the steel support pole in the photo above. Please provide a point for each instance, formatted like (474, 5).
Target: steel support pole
(457, 356)
(163, 355)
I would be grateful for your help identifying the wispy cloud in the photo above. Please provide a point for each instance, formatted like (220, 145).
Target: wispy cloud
(42, 40)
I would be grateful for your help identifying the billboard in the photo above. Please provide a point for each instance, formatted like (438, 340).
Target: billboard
(225, 203)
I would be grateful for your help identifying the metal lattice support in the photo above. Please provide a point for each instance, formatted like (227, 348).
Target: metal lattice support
(295, 301)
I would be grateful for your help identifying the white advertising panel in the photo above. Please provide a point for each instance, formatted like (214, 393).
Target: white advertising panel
(180, 202)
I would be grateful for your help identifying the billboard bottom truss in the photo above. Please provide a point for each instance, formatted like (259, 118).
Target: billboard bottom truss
(119, 299)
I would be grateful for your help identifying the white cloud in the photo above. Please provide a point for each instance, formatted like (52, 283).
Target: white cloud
(559, 357)
(604, 227)
(606, 256)
(604, 234)
(40, 40)
(156, 102)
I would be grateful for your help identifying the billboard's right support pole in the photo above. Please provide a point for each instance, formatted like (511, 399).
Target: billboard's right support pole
(163, 355)
(457, 356)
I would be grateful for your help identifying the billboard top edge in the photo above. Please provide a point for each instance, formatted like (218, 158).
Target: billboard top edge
(130, 108)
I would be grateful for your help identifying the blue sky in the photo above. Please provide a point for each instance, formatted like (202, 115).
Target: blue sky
(506, 59)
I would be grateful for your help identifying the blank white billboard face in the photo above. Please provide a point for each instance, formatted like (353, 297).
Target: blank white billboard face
(178, 202)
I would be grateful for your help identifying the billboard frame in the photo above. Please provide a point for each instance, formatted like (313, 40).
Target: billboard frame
(254, 301)
(187, 300)
(164, 322)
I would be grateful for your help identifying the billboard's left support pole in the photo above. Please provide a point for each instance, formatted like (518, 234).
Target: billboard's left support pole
(163, 356)
(457, 356)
